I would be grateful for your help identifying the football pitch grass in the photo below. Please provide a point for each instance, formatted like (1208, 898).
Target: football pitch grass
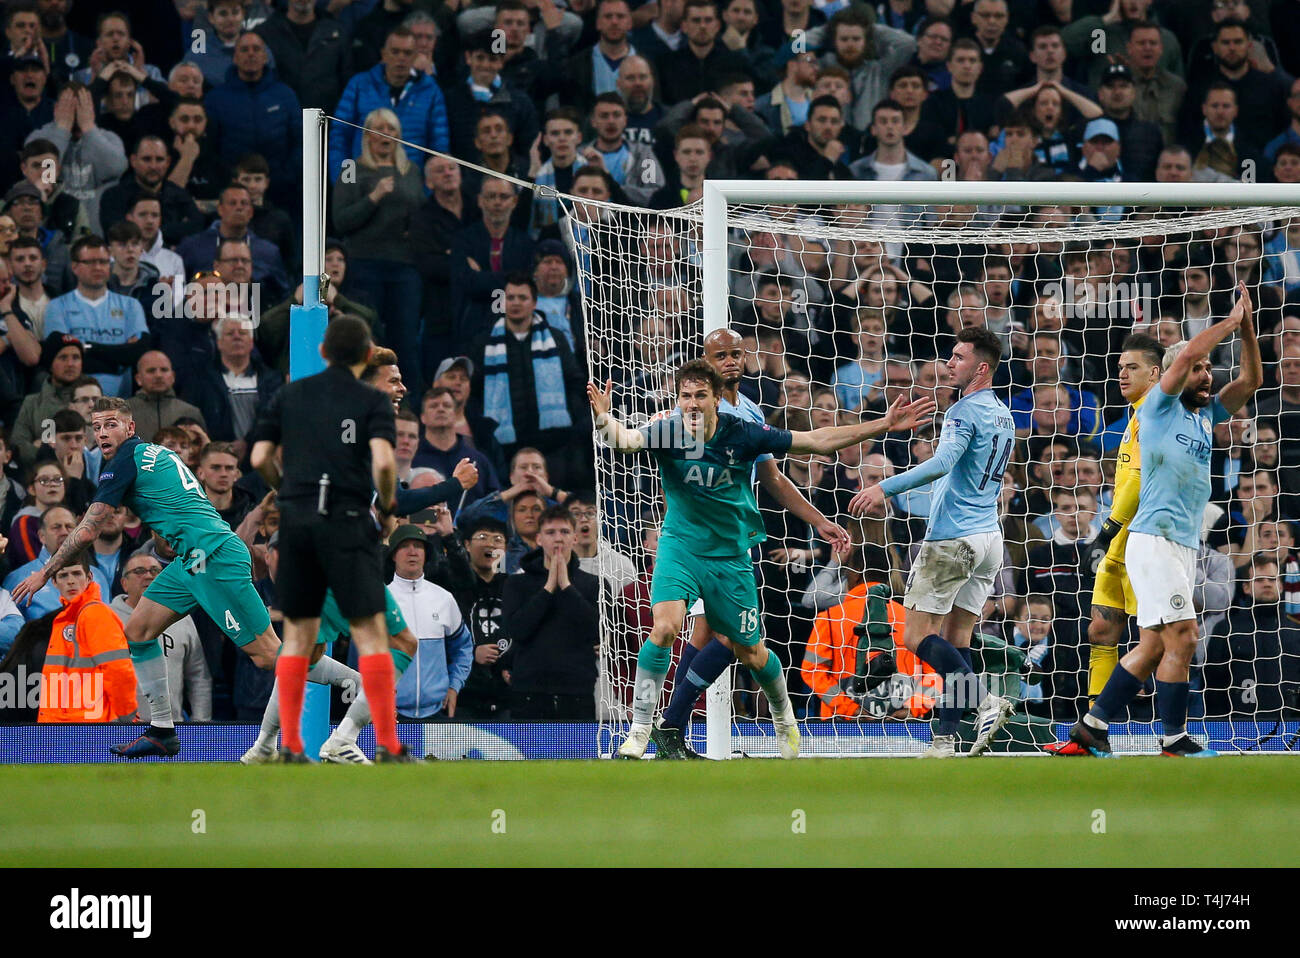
(900, 812)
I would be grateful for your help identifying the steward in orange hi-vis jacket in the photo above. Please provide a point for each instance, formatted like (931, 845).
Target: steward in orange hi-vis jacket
(830, 659)
(88, 675)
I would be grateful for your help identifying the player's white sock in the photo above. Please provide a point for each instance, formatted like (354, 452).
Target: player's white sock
(1093, 722)
(325, 672)
(151, 672)
(651, 669)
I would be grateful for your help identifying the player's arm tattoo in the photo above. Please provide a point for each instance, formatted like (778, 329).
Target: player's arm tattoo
(80, 537)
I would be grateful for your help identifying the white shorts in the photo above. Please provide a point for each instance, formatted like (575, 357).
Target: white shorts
(958, 572)
(1163, 574)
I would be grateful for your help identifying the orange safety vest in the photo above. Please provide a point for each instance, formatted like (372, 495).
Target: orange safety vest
(831, 658)
(88, 676)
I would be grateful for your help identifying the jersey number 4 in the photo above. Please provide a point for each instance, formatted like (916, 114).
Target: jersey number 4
(188, 482)
(997, 464)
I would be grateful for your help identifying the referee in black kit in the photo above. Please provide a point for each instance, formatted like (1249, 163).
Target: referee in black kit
(335, 436)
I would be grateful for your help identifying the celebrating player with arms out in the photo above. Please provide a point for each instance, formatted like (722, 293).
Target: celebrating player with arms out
(706, 657)
(962, 552)
(1112, 592)
(212, 568)
(1176, 420)
(705, 462)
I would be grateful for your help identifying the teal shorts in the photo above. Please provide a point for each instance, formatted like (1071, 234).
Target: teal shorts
(222, 586)
(333, 625)
(725, 584)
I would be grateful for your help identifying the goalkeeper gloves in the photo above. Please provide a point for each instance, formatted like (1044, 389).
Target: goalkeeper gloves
(1100, 545)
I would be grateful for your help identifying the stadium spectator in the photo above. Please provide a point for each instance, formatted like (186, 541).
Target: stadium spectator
(233, 386)
(960, 107)
(62, 356)
(890, 160)
(447, 210)
(636, 84)
(39, 162)
(456, 374)
(1140, 140)
(441, 446)
(1259, 96)
(26, 265)
(30, 107)
(155, 405)
(869, 52)
(88, 676)
(57, 523)
(695, 66)
(147, 177)
(48, 487)
(1218, 144)
(483, 86)
(528, 473)
(253, 112)
(1006, 61)
(550, 611)
(481, 256)
(374, 213)
(311, 52)
(234, 216)
(188, 680)
(197, 166)
(595, 553)
(633, 165)
(90, 158)
(528, 378)
(95, 315)
(428, 689)
(1283, 407)
(486, 695)
(1252, 661)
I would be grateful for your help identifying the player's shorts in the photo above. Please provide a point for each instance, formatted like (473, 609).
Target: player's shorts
(333, 625)
(958, 572)
(222, 586)
(724, 583)
(1163, 574)
(1112, 587)
(341, 554)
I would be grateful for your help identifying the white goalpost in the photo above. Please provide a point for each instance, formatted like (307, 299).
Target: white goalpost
(811, 273)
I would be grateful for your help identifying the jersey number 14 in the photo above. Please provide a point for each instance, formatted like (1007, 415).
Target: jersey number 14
(997, 464)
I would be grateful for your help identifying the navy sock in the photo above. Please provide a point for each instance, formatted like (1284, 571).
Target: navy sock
(689, 652)
(1171, 704)
(936, 652)
(967, 657)
(1119, 691)
(704, 668)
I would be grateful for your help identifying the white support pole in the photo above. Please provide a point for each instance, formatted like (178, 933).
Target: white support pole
(714, 278)
(313, 193)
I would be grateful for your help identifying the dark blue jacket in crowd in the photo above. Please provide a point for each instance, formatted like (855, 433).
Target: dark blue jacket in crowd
(263, 117)
(420, 110)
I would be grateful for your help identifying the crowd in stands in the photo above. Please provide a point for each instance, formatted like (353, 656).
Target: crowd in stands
(150, 163)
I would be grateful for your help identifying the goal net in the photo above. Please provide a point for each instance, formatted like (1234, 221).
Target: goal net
(849, 295)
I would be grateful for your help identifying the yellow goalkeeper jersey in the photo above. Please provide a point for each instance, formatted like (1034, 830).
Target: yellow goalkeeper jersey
(1128, 482)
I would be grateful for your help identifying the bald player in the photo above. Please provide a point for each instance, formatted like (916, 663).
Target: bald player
(707, 655)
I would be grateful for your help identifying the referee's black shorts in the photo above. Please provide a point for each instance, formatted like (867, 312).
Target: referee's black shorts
(340, 552)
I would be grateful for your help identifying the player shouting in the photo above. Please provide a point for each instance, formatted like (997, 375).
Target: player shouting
(705, 462)
(705, 657)
(1177, 421)
(962, 552)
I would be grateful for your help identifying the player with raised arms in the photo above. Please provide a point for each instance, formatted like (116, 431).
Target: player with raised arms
(212, 568)
(705, 460)
(1113, 600)
(1177, 422)
(962, 551)
(706, 656)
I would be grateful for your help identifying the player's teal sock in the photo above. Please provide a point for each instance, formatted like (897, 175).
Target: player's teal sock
(771, 679)
(1171, 704)
(651, 669)
(151, 673)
